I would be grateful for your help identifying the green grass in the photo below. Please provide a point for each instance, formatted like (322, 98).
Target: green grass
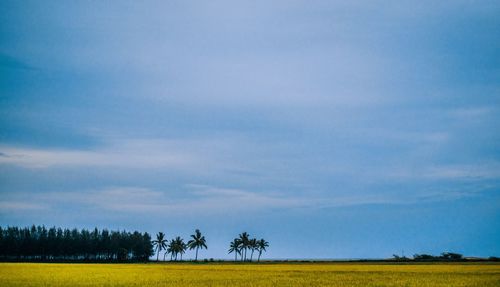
(282, 274)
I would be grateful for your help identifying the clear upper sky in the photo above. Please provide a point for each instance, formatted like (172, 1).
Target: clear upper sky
(332, 129)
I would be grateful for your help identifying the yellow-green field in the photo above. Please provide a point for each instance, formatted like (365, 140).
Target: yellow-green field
(318, 274)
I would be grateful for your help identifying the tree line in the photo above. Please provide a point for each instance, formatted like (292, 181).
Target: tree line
(57, 244)
(38, 243)
(445, 256)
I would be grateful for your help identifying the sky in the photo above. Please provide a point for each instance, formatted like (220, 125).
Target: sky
(333, 129)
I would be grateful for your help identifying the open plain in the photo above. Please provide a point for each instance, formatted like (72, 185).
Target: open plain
(267, 274)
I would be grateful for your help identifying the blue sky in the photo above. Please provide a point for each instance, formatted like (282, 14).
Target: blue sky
(332, 129)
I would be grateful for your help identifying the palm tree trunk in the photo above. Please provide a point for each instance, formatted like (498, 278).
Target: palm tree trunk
(260, 252)
(157, 254)
(196, 258)
(251, 255)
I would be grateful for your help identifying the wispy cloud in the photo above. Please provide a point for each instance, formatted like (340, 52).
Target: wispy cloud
(21, 206)
(197, 199)
(479, 171)
(136, 153)
(201, 199)
(471, 113)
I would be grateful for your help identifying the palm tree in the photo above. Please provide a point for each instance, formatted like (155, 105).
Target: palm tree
(176, 247)
(160, 242)
(252, 244)
(234, 246)
(197, 242)
(261, 246)
(181, 246)
(244, 238)
(171, 249)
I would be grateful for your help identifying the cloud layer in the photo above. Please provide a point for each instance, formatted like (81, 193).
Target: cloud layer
(342, 120)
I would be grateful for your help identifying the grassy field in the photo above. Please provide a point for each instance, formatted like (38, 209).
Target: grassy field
(317, 274)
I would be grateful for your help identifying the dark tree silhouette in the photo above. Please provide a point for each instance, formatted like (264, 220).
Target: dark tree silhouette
(445, 256)
(181, 246)
(241, 244)
(176, 247)
(261, 246)
(37, 243)
(197, 241)
(234, 246)
(451, 256)
(171, 249)
(245, 240)
(252, 244)
(160, 243)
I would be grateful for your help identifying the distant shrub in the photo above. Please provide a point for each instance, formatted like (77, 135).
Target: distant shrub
(423, 257)
(451, 256)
